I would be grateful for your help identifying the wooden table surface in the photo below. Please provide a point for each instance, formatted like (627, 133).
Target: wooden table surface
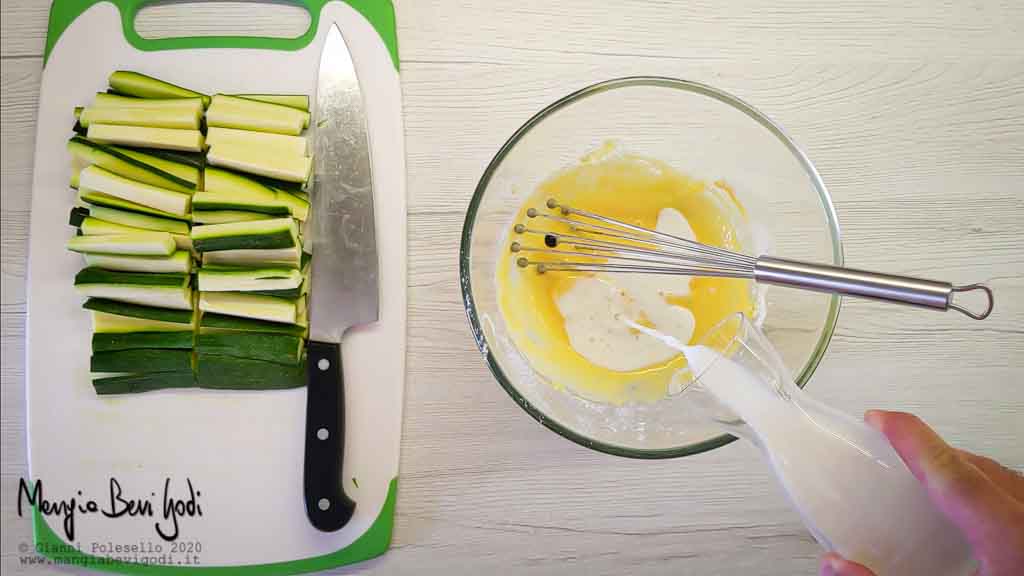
(912, 111)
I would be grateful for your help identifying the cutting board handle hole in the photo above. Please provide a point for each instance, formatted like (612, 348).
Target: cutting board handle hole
(261, 18)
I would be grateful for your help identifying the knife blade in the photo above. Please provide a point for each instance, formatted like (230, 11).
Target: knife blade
(344, 274)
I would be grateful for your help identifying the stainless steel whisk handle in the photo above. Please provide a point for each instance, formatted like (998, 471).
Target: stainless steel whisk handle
(864, 284)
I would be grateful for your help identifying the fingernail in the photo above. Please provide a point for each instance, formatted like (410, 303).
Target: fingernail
(873, 418)
(830, 566)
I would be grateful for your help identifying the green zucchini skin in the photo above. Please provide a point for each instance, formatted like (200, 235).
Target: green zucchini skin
(297, 101)
(137, 383)
(111, 342)
(276, 348)
(229, 373)
(101, 276)
(179, 262)
(227, 111)
(214, 201)
(287, 257)
(136, 220)
(282, 185)
(194, 159)
(160, 198)
(230, 189)
(77, 215)
(139, 311)
(140, 243)
(98, 198)
(281, 237)
(141, 361)
(224, 216)
(290, 293)
(212, 322)
(227, 279)
(113, 159)
(130, 83)
(211, 351)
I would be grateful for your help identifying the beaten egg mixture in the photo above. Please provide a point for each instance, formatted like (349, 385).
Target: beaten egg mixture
(577, 329)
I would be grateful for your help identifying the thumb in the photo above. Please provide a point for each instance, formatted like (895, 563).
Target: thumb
(833, 564)
(957, 488)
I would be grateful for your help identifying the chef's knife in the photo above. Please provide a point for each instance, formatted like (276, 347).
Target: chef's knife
(344, 274)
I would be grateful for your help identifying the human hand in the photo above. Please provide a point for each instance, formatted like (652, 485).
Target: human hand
(981, 497)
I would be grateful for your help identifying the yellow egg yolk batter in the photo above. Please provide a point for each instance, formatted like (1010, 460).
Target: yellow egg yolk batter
(635, 190)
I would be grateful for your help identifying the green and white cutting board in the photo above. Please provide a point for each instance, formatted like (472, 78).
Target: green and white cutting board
(241, 451)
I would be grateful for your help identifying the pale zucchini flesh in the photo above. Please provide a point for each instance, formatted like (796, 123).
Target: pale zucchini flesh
(183, 242)
(298, 206)
(274, 143)
(162, 199)
(182, 119)
(103, 322)
(161, 296)
(106, 100)
(258, 307)
(227, 182)
(297, 101)
(136, 220)
(134, 244)
(279, 257)
(180, 262)
(232, 112)
(164, 138)
(159, 290)
(225, 216)
(302, 311)
(263, 162)
(139, 166)
(97, 198)
(92, 226)
(247, 279)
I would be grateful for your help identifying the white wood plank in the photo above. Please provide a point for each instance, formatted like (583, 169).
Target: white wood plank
(913, 114)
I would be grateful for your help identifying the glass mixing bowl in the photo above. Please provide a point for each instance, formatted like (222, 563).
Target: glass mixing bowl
(707, 134)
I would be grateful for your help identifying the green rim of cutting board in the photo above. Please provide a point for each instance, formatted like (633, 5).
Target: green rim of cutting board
(379, 13)
(372, 543)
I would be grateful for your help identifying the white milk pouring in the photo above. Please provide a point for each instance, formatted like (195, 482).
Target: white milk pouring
(850, 487)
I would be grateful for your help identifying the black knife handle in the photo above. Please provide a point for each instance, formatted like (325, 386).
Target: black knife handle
(327, 505)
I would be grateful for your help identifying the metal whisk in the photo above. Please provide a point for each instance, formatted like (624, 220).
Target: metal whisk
(596, 243)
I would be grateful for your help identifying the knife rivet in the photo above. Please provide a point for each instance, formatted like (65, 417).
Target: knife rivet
(323, 504)
(323, 434)
(323, 364)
